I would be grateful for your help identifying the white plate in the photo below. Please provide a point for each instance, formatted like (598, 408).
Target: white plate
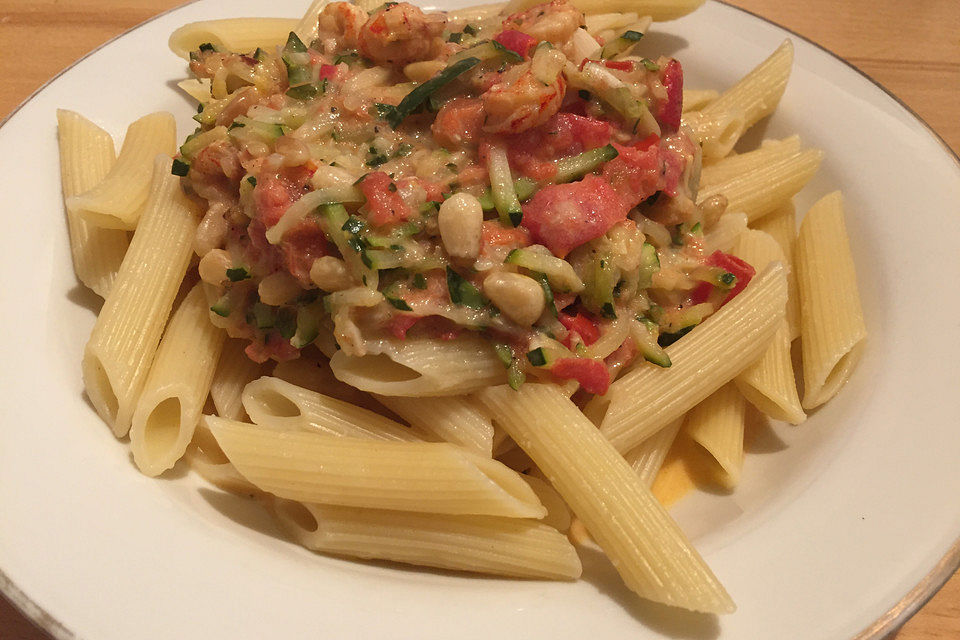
(823, 537)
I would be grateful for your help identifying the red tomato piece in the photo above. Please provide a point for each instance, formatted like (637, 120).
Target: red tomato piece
(635, 174)
(328, 71)
(384, 204)
(516, 41)
(458, 122)
(564, 216)
(400, 323)
(535, 151)
(591, 374)
(274, 347)
(301, 246)
(668, 111)
(495, 234)
(272, 198)
(651, 140)
(583, 325)
(743, 270)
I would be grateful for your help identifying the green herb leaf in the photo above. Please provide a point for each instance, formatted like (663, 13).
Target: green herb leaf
(237, 274)
(462, 292)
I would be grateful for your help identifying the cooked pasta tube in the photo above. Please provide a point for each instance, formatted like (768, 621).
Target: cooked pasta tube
(757, 94)
(455, 419)
(178, 384)
(423, 367)
(116, 201)
(205, 456)
(275, 403)
(647, 457)
(696, 99)
(832, 330)
(86, 157)
(659, 10)
(733, 166)
(118, 355)
(769, 383)
(558, 513)
(432, 477)
(306, 28)
(234, 371)
(646, 546)
(716, 424)
(196, 88)
(484, 544)
(241, 35)
(647, 398)
(781, 223)
(762, 190)
(717, 133)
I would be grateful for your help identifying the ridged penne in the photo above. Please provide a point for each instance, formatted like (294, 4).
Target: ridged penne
(832, 330)
(649, 550)
(758, 192)
(696, 99)
(558, 513)
(648, 397)
(234, 371)
(432, 477)
(86, 157)
(116, 201)
(423, 367)
(659, 10)
(239, 35)
(716, 424)
(757, 94)
(717, 133)
(178, 384)
(205, 456)
(275, 403)
(121, 348)
(647, 457)
(196, 88)
(455, 419)
(306, 28)
(781, 224)
(484, 544)
(733, 166)
(769, 383)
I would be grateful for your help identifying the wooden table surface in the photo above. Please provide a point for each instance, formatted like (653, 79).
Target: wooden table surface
(911, 48)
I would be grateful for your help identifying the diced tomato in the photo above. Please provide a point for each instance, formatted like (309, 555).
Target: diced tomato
(583, 325)
(619, 65)
(651, 140)
(458, 122)
(272, 198)
(301, 246)
(516, 41)
(591, 374)
(743, 271)
(534, 152)
(668, 111)
(384, 204)
(400, 323)
(564, 216)
(328, 71)
(634, 174)
(495, 234)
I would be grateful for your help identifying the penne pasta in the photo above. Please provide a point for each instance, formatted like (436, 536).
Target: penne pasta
(647, 398)
(781, 224)
(647, 457)
(429, 477)
(116, 201)
(647, 548)
(422, 367)
(124, 339)
(169, 408)
(454, 419)
(231, 34)
(716, 424)
(832, 330)
(501, 546)
(730, 167)
(697, 99)
(86, 157)
(271, 402)
(762, 190)
(234, 371)
(769, 383)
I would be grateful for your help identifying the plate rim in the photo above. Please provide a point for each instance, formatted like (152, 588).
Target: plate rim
(894, 618)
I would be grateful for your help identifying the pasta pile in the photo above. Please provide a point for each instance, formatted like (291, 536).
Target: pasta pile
(434, 451)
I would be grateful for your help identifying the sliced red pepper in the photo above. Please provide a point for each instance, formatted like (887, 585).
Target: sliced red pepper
(591, 374)
(743, 271)
(619, 65)
(516, 41)
(586, 328)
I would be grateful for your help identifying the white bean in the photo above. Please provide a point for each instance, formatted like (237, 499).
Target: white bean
(213, 266)
(519, 297)
(461, 224)
(330, 274)
(277, 288)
